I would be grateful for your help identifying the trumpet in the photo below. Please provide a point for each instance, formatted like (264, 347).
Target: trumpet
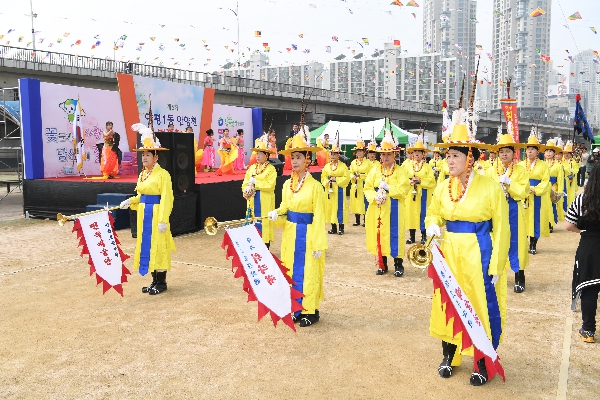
(212, 226)
(419, 255)
(62, 219)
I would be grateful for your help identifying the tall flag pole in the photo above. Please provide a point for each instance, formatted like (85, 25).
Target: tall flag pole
(78, 137)
(580, 123)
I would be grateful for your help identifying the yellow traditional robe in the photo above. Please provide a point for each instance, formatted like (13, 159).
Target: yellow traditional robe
(416, 204)
(444, 172)
(161, 245)
(265, 192)
(518, 191)
(335, 192)
(392, 212)
(436, 167)
(571, 168)
(375, 164)
(557, 180)
(538, 203)
(304, 232)
(358, 202)
(482, 202)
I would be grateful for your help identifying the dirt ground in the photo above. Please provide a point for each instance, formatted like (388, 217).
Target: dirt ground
(61, 338)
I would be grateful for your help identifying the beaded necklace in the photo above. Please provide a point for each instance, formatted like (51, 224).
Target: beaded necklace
(334, 166)
(457, 178)
(415, 165)
(501, 170)
(295, 175)
(381, 167)
(148, 172)
(258, 171)
(530, 165)
(550, 162)
(359, 161)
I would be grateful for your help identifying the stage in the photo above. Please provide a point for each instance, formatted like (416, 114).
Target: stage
(215, 196)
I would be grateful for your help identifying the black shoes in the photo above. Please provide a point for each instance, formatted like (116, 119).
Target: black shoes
(551, 227)
(479, 378)
(309, 319)
(341, 231)
(533, 245)
(333, 230)
(146, 288)
(383, 270)
(161, 283)
(445, 368)
(398, 267)
(520, 281)
(357, 223)
(412, 239)
(423, 237)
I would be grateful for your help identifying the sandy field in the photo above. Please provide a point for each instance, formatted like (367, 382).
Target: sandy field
(61, 338)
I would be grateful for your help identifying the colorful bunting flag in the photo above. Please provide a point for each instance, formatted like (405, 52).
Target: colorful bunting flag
(257, 34)
(66, 34)
(479, 47)
(537, 12)
(414, 15)
(474, 20)
(123, 37)
(365, 40)
(327, 49)
(396, 3)
(9, 31)
(301, 35)
(334, 38)
(176, 39)
(574, 17)
(593, 30)
(396, 43)
(412, 3)
(294, 47)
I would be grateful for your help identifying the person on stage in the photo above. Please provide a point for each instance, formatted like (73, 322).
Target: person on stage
(386, 187)
(359, 168)
(304, 240)
(335, 177)
(153, 203)
(273, 143)
(583, 217)
(571, 169)
(372, 154)
(323, 157)
(238, 164)
(258, 189)
(228, 153)
(514, 181)
(110, 157)
(475, 246)
(209, 155)
(421, 180)
(556, 175)
(538, 203)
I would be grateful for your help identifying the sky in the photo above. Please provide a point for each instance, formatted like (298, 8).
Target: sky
(202, 35)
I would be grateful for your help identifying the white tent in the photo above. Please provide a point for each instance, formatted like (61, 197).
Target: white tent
(351, 131)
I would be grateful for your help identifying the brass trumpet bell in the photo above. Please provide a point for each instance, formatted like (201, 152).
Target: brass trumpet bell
(420, 255)
(62, 220)
(212, 226)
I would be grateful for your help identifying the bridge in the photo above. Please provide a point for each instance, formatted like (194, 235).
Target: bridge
(281, 102)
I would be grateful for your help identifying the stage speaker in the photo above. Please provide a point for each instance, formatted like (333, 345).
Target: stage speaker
(345, 160)
(278, 165)
(178, 160)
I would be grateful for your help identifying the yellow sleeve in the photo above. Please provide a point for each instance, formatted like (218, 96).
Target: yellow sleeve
(265, 182)
(369, 189)
(427, 177)
(434, 214)
(500, 231)
(544, 186)
(285, 192)
(318, 237)
(134, 201)
(247, 177)
(166, 197)
(353, 167)
(561, 179)
(343, 179)
(325, 174)
(519, 184)
(401, 188)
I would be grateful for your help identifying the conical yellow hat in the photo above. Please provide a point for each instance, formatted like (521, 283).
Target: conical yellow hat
(360, 145)
(460, 138)
(568, 147)
(550, 145)
(418, 146)
(262, 146)
(298, 145)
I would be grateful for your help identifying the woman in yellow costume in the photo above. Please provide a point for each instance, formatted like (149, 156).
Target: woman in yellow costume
(304, 240)
(335, 177)
(556, 173)
(153, 204)
(514, 181)
(475, 246)
(562, 185)
(372, 154)
(359, 168)
(422, 181)
(386, 188)
(228, 152)
(437, 164)
(258, 188)
(538, 202)
(571, 169)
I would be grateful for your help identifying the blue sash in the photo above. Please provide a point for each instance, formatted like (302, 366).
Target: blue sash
(482, 231)
(146, 244)
(423, 209)
(566, 189)
(302, 220)
(554, 210)
(537, 207)
(340, 211)
(394, 224)
(513, 220)
(257, 210)
(447, 176)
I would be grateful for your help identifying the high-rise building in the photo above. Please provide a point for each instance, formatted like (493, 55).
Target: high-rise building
(449, 28)
(584, 73)
(521, 46)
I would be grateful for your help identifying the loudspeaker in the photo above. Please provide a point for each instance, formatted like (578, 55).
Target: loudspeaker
(178, 160)
(278, 165)
(345, 160)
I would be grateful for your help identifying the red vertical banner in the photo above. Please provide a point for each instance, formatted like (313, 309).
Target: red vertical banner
(509, 108)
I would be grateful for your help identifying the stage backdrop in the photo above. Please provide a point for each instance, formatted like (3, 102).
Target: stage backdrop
(233, 118)
(57, 116)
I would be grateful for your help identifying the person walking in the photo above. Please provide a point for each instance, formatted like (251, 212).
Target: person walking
(583, 159)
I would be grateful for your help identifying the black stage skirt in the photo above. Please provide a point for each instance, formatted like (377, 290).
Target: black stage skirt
(586, 271)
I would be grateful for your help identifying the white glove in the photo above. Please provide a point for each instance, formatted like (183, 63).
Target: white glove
(383, 185)
(273, 215)
(125, 204)
(433, 230)
(380, 198)
(162, 227)
(495, 279)
(316, 254)
(504, 179)
(252, 181)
